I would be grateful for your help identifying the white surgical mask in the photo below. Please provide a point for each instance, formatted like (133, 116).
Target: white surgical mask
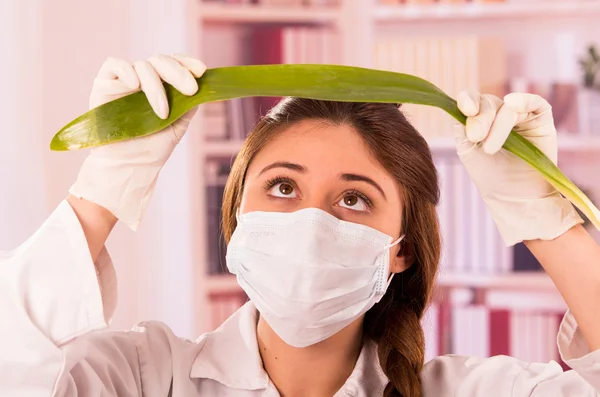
(308, 273)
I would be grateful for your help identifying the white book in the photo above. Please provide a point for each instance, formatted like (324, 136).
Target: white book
(444, 211)
(487, 334)
(491, 244)
(323, 37)
(447, 81)
(551, 327)
(404, 61)
(303, 50)
(505, 255)
(335, 47)
(517, 336)
(235, 121)
(531, 335)
(481, 330)
(422, 112)
(296, 45)
(537, 337)
(461, 64)
(475, 262)
(387, 56)
(549, 346)
(462, 237)
(470, 329)
(434, 67)
(447, 66)
(473, 61)
(460, 329)
(289, 55)
(312, 49)
(431, 331)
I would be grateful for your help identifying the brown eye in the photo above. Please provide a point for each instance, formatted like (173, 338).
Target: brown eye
(354, 202)
(286, 189)
(350, 200)
(283, 190)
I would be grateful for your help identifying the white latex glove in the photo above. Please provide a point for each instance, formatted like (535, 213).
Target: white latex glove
(523, 205)
(121, 176)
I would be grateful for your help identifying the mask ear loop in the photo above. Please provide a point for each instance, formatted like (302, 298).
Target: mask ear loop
(387, 247)
(394, 243)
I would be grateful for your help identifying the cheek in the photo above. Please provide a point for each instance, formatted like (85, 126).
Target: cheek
(253, 199)
(390, 221)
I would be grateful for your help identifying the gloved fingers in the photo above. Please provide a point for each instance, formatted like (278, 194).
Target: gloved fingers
(468, 102)
(195, 66)
(527, 103)
(505, 120)
(118, 69)
(479, 125)
(174, 73)
(153, 87)
(535, 114)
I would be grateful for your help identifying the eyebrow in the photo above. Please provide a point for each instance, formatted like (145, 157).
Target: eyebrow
(283, 164)
(344, 177)
(362, 178)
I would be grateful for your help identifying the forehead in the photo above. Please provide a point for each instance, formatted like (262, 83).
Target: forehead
(320, 146)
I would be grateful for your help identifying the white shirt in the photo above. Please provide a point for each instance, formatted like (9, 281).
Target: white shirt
(54, 341)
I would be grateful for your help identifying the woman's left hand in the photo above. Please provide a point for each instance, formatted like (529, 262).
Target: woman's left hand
(523, 205)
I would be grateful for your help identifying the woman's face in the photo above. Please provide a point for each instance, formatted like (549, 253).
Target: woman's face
(319, 165)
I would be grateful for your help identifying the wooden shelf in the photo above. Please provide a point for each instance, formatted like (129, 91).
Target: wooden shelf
(566, 143)
(247, 13)
(222, 283)
(221, 148)
(500, 11)
(509, 281)
(573, 143)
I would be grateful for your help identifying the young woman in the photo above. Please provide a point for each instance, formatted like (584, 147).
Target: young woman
(330, 218)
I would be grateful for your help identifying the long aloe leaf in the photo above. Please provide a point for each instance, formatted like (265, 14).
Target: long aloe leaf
(132, 116)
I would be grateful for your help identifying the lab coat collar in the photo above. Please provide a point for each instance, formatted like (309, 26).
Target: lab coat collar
(230, 354)
(231, 357)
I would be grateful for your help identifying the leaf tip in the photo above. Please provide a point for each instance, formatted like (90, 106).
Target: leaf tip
(57, 144)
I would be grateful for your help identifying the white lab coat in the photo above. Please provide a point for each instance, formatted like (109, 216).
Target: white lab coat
(53, 341)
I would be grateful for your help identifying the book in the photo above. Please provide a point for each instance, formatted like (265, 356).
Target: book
(216, 173)
(451, 63)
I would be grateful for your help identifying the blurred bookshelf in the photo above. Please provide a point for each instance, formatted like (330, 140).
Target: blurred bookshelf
(533, 280)
(483, 288)
(567, 143)
(256, 13)
(492, 10)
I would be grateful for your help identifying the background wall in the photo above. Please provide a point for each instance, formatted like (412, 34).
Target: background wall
(53, 49)
(52, 52)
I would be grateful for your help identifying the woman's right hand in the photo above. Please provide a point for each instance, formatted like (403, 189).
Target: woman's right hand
(116, 181)
(120, 177)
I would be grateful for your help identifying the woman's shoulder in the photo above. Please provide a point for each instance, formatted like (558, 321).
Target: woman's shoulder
(455, 375)
(499, 376)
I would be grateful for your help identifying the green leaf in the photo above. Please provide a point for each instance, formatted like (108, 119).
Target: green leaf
(131, 116)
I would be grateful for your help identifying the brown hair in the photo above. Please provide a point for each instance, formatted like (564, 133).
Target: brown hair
(394, 322)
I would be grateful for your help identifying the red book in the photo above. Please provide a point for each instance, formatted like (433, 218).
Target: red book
(499, 332)
(266, 48)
